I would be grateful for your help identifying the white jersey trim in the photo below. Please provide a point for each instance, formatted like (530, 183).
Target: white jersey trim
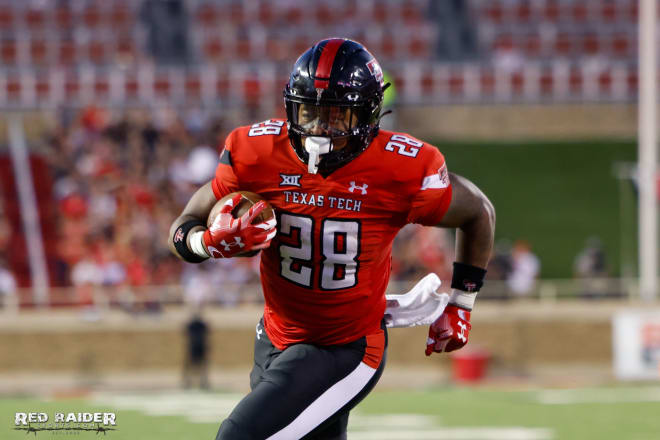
(432, 182)
(439, 180)
(328, 403)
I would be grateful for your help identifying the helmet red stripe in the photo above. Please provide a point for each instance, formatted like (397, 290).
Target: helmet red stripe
(327, 59)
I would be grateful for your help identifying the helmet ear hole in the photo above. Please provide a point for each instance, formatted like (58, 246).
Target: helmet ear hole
(336, 73)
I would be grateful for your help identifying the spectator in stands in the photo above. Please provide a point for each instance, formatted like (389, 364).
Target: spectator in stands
(119, 193)
(591, 262)
(591, 268)
(196, 283)
(500, 269)
(418, 251)
(86, 276)
(501, 265)
(525, 269)
(202, 281)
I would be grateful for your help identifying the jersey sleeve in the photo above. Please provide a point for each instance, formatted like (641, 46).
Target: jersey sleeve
(225, 180)
(432, 200)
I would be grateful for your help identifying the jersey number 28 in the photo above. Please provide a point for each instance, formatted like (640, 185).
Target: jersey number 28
(340, 248)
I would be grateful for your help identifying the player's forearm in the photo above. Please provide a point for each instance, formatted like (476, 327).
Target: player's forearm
(474, 243)
(474, 239)
(197, 210)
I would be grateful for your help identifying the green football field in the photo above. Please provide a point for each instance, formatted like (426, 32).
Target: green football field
(621, 413)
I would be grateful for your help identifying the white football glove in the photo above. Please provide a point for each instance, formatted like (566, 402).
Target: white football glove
(422, 305)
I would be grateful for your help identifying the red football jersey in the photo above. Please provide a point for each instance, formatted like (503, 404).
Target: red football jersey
(325, 273)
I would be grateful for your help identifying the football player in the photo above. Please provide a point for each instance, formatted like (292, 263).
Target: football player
(341, 189)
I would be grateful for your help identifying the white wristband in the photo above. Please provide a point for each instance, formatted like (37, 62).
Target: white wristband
(197, 244)
(462, 299)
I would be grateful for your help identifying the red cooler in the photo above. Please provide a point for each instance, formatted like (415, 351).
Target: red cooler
(469, 364)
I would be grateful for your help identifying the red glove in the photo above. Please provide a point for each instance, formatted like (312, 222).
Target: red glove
(229, 236)
(450, 331)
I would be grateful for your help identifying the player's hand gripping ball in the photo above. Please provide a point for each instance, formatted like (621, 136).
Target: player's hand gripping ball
(239, 225)
(450, 331)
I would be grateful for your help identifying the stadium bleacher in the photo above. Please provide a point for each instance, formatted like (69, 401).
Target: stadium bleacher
(528, 50)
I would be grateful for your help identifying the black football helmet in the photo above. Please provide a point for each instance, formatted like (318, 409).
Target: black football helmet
(333, 100)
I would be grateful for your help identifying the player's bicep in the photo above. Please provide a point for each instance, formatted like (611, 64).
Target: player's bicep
(467, 203)
(201, 203)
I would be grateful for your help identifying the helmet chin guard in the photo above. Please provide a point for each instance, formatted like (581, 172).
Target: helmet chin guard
(315, 147)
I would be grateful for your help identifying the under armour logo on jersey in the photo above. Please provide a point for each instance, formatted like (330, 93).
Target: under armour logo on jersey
(237, 242)
(461, 335)
(290, 179)
(259, 331)
(362, 188)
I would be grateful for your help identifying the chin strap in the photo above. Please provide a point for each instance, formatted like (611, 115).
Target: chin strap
(385, 113)
(315, 147)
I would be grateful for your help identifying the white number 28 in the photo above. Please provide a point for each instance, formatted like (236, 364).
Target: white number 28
(405, 146)
(266, 127)
(340, 248)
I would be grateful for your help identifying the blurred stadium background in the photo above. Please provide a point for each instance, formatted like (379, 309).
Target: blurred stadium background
(114, 111)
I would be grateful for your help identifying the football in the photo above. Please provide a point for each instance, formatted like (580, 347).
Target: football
(247, 200)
